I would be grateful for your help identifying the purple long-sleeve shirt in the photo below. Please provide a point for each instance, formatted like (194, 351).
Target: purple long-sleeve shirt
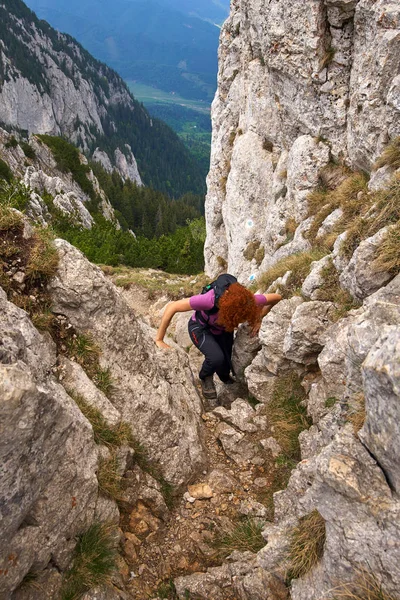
(203, 302)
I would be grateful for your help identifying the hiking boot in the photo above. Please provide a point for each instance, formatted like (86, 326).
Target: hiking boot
(208, 388)
(229, 381)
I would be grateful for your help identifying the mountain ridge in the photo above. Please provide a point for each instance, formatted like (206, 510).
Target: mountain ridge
(50, 84)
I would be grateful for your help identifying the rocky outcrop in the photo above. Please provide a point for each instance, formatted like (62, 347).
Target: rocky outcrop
(125, 164)
(349, 476)
(49, 488)
(299, 84)
(41, 176)
(153, 389)
(56, 87)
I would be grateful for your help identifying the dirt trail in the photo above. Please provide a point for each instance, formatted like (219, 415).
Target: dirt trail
(185, 542)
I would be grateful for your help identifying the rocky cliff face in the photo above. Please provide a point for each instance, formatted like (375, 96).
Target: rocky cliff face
(51, 466)
(300, 84)
(308, 97)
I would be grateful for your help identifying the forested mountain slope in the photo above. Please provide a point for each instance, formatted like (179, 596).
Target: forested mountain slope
(50, 84)
(166, 43)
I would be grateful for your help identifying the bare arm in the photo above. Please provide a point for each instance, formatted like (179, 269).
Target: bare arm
(272, 299)
(171, 309)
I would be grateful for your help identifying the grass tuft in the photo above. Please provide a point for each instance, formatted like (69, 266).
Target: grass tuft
(109, 478)
(167, 591)
(94, 561)
(287, 415)
(390, 156)
(298, 264)
(306, 545)
(356, 412)
(43, 259)
(85, 351)
(103, 380)
(288, 418)
(330, 290)
(364, 587)
(246, 535)
(330, 402)
(112, 436)
(388, 254)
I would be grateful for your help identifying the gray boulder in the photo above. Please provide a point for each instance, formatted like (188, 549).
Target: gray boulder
(359, 277)
(154, 389)
(307, 331)
(48, 458)
(381, 431)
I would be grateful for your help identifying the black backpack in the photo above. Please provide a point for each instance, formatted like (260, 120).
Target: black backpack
(220, 285)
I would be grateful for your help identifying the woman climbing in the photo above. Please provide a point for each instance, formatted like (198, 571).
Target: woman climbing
(219, 309)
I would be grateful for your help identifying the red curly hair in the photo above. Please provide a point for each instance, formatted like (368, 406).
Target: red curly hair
(237, 305)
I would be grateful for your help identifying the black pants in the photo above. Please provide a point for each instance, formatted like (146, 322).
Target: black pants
(216, 348)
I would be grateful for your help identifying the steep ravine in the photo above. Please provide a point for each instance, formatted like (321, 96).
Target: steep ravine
(103, 435)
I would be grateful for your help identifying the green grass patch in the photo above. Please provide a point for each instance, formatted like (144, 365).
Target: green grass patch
(112, 436)
(109, 478)
(331, 291)
(5, 171)
(28, 150)
(330, 402)
(167, 591)
(94, 561)
(43, 258)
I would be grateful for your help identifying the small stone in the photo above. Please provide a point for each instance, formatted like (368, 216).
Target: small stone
(272, 445)
(261, 482)
(133, 538)
(188, 497)
(200, 491)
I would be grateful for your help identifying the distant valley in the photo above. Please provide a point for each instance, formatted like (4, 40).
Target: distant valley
(168, 44)
(166, 50)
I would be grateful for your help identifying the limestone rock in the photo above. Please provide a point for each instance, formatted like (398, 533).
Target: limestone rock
(235, 444)
(307, 331)
(48, 455)
(306, 158)
(200, 491)
(251, 508)
(245, 349)
(154, 390)
(270, 361)
(272, 445)
(222, 482)
(352, 495)
(126, 165)
(241, 577)
(45, 586)
(359, 277)
(314, 280)
(240, 415)
(181, 333)
(381, 373)
(75, 380)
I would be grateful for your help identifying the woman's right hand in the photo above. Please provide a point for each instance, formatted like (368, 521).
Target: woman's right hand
(162, 344)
